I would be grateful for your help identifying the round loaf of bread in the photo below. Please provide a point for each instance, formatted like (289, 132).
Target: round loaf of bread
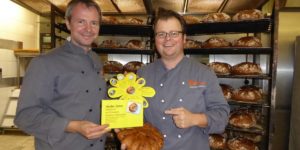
(215, 42)
(242, 118)
(132, 66)
(250, 14)
(241, 144)
(135, 44)
(256, 138)
(216, 17)
(220, 68)
(227, 91)
(141, 138)
(246, 68)
(217, 141)
(192, 44)
(189, 19)
(110, 44)
(249, 41)
(109, 20)
(112, 67)
(133, 21)
(248, 93)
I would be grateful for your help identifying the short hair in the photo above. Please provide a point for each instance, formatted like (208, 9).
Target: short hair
(165, 14)
(88, 3)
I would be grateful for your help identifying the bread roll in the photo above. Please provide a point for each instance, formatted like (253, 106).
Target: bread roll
(216, 17)
(250, 14)
(249, 41)
(112, 67)
(215, 42)
(141, 138)
(246, 68)
(248, 93)
(241, 144)
(220, 68)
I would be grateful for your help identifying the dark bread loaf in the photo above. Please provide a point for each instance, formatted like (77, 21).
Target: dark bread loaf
(250, 14)
(246, 68)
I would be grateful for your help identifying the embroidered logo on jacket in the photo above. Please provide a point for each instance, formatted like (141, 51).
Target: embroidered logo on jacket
(196, 84)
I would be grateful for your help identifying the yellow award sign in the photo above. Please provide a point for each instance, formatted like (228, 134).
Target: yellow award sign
(128, 110)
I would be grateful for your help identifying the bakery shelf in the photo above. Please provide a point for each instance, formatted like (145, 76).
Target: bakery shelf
(262, 25)
(255, 130)
(230, 50)
(263, 76)
(131, 30)
(106, 29)
(122, 51)
(62, 27)
(251, 104)
(251, 26)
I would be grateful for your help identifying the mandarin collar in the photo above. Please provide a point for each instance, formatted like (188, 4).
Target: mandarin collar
(96, 59)
(74, 48)
(181, 62)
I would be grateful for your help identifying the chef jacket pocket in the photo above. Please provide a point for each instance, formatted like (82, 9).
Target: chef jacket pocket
(193, 99)
(69, 83)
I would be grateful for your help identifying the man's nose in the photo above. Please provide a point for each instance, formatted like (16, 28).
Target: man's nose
(167, 37)
(89, 26)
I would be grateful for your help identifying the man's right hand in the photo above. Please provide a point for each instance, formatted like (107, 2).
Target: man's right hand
(88, 129)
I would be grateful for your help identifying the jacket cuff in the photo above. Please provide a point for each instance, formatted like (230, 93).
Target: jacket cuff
(57, 130)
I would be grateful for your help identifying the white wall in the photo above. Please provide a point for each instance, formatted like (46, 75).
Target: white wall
(19, 24)
(16, 24)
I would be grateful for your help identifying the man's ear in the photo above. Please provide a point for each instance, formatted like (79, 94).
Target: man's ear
(68, 24)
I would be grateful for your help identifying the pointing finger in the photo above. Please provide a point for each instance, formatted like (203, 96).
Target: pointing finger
(173, 111)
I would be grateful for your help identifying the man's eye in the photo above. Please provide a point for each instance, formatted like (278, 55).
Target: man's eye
(174, 33)
(95, 23)
(161, 34)
(80, 21)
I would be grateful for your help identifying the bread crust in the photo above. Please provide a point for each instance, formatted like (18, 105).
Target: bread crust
(141, 138)
(246, 68)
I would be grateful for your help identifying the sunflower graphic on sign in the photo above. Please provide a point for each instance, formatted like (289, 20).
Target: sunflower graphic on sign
(130, 87)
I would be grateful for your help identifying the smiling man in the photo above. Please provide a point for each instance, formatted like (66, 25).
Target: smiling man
(61, 92)
(189, 104)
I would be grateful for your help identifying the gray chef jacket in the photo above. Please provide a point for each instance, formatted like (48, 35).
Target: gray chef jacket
(190, 85)
(65, 84)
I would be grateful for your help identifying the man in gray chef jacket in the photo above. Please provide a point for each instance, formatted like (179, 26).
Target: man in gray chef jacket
(188, 104)
(61, 92)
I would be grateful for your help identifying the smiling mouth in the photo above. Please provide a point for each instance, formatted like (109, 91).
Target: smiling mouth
(87, 36)
(168, 45)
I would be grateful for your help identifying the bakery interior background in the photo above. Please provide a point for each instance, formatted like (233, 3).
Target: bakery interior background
(20, 24)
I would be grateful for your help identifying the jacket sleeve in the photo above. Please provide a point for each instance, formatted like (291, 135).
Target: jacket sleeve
(34, 116)
(217, 107)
